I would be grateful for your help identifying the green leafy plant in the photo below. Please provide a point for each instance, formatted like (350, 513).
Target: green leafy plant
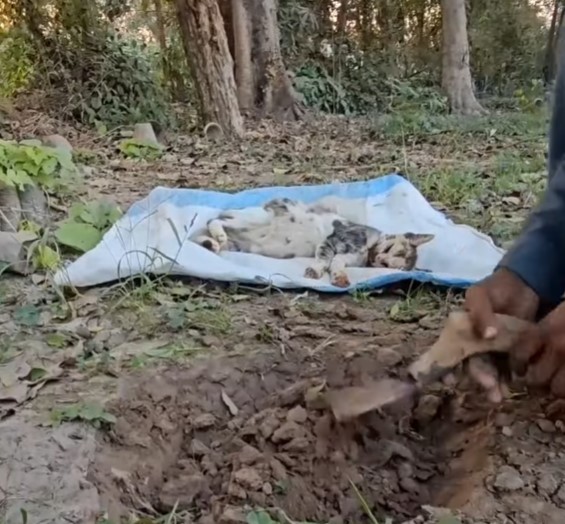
(15, 62)
(531, 96)
(92, 414)
(86, 225)
(113, 82)
(140, 149)
(30, 163)
(320, 90)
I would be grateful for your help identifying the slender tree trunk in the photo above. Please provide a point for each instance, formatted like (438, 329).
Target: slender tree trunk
(556, 23)
(325, 23)
(242, 55)
(274, 93)
(161, 35)
(421, 19)
(456, 72)
(342, 17)
(206, 48)
(367, 24)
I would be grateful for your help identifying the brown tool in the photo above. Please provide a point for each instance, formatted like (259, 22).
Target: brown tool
(456, 343)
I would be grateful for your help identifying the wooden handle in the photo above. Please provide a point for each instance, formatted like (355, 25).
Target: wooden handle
(458, 341)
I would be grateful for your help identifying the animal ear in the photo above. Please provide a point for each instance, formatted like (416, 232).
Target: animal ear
(417, 239)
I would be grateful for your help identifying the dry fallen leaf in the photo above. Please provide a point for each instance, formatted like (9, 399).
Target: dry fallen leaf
(14, 371)
(232, 408)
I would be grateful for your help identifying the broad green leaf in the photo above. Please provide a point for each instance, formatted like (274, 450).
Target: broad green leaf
(56, 340)
(49, 166)
(37, 374)
(259, 517)
(82, 237)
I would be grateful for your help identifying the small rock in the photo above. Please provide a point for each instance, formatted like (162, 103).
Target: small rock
(409, 485)
(560, 495)
(336, 520)
(405, 470)
(267, 489)
(236, 491)
(547, 484)
(198, 448)
(388, 357)
(507, 431)
(429, 322)
(427, 408)
(249, 455)
(297, 414)
(288, 431)
(546, 425)
(233, 515)
(204, 421)
(145, 133)
(249, 478)
(278, 469)
(437, 512)
(58, 142)
(297, 444)
(503, 419)
(269, 425)
(508, 479)
(181, 492)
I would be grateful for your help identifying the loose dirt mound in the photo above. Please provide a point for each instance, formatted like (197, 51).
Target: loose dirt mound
(234, 433)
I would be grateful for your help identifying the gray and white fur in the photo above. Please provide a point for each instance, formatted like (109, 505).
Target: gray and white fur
(289, 229)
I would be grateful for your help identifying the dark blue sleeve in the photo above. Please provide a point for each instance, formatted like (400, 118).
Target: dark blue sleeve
(538, 256)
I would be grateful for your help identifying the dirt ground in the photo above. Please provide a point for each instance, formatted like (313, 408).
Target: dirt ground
(214, 389)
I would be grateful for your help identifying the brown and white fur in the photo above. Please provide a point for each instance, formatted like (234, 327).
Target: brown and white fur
(291, 229)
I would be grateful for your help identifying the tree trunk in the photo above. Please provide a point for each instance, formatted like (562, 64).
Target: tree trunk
(421, 24)
(274, 93)
(342, 18)
(549, 62)
(242, 55)
(206, 48)
(161, 36)
(367, 25)
(456, 72)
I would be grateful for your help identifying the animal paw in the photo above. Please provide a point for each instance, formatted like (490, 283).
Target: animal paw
(312, 273)
(211, 245)
(340, 280)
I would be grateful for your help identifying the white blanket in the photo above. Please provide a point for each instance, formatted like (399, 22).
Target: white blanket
(152, 237)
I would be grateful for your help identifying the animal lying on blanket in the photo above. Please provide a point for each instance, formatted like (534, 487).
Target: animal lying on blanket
(289, 229)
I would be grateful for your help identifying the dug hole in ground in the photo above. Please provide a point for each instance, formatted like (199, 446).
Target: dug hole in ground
(216, 440)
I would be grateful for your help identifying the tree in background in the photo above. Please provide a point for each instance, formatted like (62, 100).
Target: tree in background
(262, 86)
(206, 46)
(112, 62)
(456, 71)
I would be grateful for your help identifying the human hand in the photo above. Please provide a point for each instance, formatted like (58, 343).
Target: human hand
(541, 354)
(505, 293)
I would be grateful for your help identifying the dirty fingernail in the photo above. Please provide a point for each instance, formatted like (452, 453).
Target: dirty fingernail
(490, 332)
